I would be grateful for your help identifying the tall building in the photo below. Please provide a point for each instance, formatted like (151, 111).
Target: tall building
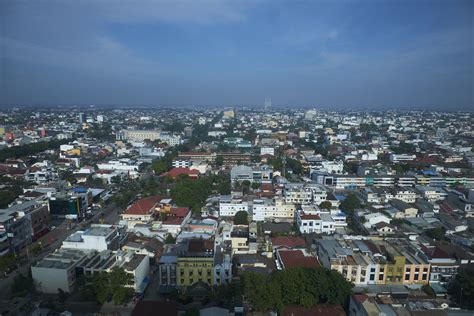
(268, 104)
(82, 118)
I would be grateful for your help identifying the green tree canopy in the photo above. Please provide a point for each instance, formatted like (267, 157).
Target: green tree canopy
(105, 286)
(325, 205)
(241, 218)
(462, 288)
(7, 261)
(350, 203)
(301, 286)
(437, 233)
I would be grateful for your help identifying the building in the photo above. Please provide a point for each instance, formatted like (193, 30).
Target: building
(195, 262)
(181, 163)
(229, 205)
(138, 135)
(267, 151)
(305, 193)
(311, 219)
(222, 267)
(134, 264)
(141, 211)
(58, 270)
(271, 209)
(96, 237)
(197, 157)
(260, 174)
(401, 157)
(365, 262)
(289, 259)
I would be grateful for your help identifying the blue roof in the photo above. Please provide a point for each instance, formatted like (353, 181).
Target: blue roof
(340, 197)
(80, 190)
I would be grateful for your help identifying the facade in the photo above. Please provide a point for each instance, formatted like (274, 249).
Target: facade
(261, 174)
(96, 237)
(58, 270)
(195, 262)
(266, 209)
(366, 262)
(229, 206)
(311, 219)
(222, 267)
(138, 135)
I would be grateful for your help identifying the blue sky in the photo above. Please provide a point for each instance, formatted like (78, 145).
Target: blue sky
(331, 53)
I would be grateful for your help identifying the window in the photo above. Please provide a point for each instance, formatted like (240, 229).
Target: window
(380, 277)
(407, 276)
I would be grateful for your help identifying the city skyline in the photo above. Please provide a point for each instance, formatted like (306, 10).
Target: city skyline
(341, 54)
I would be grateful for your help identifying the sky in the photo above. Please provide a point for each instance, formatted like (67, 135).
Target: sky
(322, 53)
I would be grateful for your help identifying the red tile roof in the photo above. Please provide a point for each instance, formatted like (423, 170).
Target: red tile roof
(173, 173)
(297, 259)
(435, 252)
(179, 211)
(310, 217)
(173, 221)
(317, 310)
(290, 242)
(143, 206)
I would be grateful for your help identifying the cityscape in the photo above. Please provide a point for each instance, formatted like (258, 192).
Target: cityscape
(237, 158)
(226, 211)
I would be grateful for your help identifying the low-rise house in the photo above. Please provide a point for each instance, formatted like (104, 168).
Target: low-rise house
(405, 208)
(141, 211)
(288, 259)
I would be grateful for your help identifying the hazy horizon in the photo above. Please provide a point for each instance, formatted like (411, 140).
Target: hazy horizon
(342, 54)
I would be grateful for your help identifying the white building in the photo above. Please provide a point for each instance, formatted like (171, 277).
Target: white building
(401, 157)
(229, 206)
(96, 237)
(267, 209)
(181, 163)
(311, 219)
(267, 151)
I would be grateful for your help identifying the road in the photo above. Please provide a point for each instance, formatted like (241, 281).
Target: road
(53, 240)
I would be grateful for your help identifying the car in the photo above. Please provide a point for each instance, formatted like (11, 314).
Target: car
(52, 228)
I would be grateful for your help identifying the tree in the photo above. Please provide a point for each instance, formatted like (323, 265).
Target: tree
(462, 288)
(301, 286)
(437, 233)
(219, 160)
(241, 218)
(22, 285)
(255, 185)
(62, 296)
(116, 179)
(7, 261)
(349, 204)
(163, 165)
(35, 249)
(325, 205)
(112, 285)
(170, 239)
